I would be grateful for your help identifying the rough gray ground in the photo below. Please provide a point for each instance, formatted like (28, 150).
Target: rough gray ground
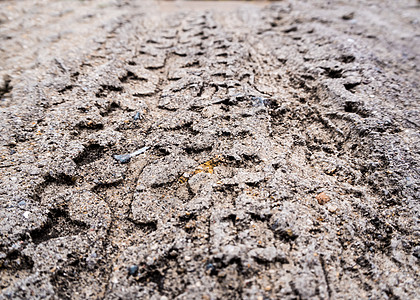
(283, 161)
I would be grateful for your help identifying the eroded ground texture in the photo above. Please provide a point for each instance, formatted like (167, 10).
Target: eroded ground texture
(280, 150)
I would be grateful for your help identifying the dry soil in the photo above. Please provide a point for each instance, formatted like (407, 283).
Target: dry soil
(280, 150)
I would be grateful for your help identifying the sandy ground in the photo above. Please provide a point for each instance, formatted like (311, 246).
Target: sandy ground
(209, 150)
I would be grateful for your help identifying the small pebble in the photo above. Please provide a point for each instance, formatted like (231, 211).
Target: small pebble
(22, 203)
(348, 16)
(123, 158)
(322, 198)
(140, 151)
(26, 214)
(332, 208)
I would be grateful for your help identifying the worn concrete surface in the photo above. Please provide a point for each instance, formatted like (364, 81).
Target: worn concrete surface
(283, 158)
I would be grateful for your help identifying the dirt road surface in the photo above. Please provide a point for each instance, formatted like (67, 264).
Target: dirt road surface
(209, 150)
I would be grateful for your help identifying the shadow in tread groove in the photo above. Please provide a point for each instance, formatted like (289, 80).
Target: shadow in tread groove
(58, 224)
(92, 153)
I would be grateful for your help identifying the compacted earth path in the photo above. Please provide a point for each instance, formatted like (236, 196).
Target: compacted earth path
(209, 150)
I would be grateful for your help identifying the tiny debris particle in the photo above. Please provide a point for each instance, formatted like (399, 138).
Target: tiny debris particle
(123, 158)
(140, 151)
(289, 232)
(137, 116)
(183, 179)
(322, 198)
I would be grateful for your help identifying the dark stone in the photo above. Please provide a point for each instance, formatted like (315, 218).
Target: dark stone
(123, 158)
(211, 269)
(132, 270)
